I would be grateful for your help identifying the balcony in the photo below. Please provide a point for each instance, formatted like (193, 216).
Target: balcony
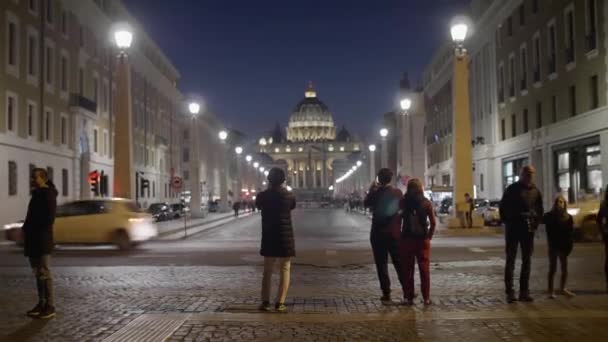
(78, 101)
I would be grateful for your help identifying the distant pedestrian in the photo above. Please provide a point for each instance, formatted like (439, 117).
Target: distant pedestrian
(602, 222)
(559, 227)
(416, 234)
(236, 206)
(383, 201)
(469, 213)
(276, 204)
(38, 240)
(521, 208)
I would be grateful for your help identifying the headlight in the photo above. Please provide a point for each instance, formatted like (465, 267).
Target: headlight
(13, 225)
(573, 211)
(136, 219)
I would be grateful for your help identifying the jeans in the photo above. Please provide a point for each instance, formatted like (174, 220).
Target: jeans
(383, 245)
(468, 216)
(285, 266)
(563, 260)
(412, 251)
(513, 240)
(44, 281)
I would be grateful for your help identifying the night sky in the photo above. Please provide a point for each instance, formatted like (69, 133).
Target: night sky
(252, 59)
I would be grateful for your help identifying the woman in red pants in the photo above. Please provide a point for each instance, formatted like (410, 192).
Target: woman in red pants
(602, 222)
(416, 234)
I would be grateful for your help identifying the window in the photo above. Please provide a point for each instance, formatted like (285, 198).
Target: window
(537, 57)
(11, 112)
(522, 15)
(153, 189)
(33, 6)
(64, 73)
(48, 124)
(49, 11)
(509, 26)
(524, 68)
(50, 172)
(64, 182)
(64, 130)
(12, 178)
(64, 23)
(569, 22)
(49, 65)
(594, 92)
(525, 120)
(539, 114)
(535, 6)
(512, 76)
(106, 143)
(12, 43)
(81, 81)
(481, 182)
(31, 119)
(32, 54)
(81, 36)
(591, 25)
(501, 84)
(511, 170)
(95, 137)
(572, 96)
(513, 125)
(498, 37)
(503, 130)
(104, 97)
(186, 155)
(554, 109)
(552, 49)
(96, 90)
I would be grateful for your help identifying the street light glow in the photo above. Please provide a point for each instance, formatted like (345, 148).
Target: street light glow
(263, 141)
(123, 37)
(194, 108)
(459, 32)
(266, 173)
(256, 164)
(331, 187)
(223, 135)
(359, 163)
(406, 104)
(372, 148)
(238, 150)
(248, 158)
(384, 132)
(261, 169)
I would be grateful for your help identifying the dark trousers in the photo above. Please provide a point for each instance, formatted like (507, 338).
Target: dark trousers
(44, 281)
(606, 258)
(554, 255)
(468, 216)
(513, 241)
(412, 251)
(384, 244)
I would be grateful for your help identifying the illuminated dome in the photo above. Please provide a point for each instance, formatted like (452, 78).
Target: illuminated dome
(311, 120)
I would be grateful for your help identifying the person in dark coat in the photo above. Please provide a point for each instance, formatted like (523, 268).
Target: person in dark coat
(236, 206)
(602, 224)
(276, 204)
(559, 227)
(38, 240)
(521, 209)
(383, 201)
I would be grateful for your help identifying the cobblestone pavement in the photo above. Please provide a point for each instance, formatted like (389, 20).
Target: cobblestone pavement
(326, 304)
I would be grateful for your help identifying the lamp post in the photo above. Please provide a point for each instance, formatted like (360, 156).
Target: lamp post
(384, 157)
(239, 184)
(406, 104)
(461, 121)
(223, 135)
(124, 185)
(372, 162)
(195, 167)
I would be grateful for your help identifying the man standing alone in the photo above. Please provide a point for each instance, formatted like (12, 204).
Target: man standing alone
(521, 208)
(38, 240)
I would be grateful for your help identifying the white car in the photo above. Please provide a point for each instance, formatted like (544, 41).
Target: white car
(488, 211)
(584, 214)
(98, 221)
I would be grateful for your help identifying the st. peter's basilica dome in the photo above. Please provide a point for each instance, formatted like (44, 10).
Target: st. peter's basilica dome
(311, 120)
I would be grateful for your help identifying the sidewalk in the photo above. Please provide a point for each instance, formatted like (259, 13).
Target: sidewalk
(174, 229)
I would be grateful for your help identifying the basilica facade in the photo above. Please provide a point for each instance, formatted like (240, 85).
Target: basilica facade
(310, 149)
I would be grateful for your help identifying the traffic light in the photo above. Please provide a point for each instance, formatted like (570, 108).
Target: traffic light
(94, 182)
(145, 184)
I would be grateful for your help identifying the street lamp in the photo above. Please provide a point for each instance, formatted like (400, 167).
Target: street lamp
(256, 164)
(359, 163)
(248, 158)
(238, 150)
(195, 188)
(261, 169)
(372, 148)
(384, 156)
(406, 104)
(372, 162)
(461, 122)
(384, 132)
(124, 185)
(223, 135)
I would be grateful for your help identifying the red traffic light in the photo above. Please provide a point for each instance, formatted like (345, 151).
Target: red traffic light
(93, 177)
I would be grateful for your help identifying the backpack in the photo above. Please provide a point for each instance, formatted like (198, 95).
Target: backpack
(386, 206)
(415, 223)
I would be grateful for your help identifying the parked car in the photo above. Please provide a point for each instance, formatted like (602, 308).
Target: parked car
(108, 221)
(214, 207)
(489, 212)
(584, 214)
(179, 210)
(160, 211)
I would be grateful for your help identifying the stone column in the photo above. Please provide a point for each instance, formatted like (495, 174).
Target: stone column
(304, 185)
(314, 173)
(124, 185)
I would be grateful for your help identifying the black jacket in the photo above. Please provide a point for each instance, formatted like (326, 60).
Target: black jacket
(38, 225)
(559, 231)
(277, 232)
(519, 201)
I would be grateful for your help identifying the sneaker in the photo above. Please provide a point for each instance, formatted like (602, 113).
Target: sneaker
(265, 306)
(567, 293)
(511, 298)
(280, 307)
(386, 300)
(526, 298)
(35, 312)
(47, 312)
(427, 302)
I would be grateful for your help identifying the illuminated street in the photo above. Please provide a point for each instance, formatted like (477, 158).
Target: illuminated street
(209, 284)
